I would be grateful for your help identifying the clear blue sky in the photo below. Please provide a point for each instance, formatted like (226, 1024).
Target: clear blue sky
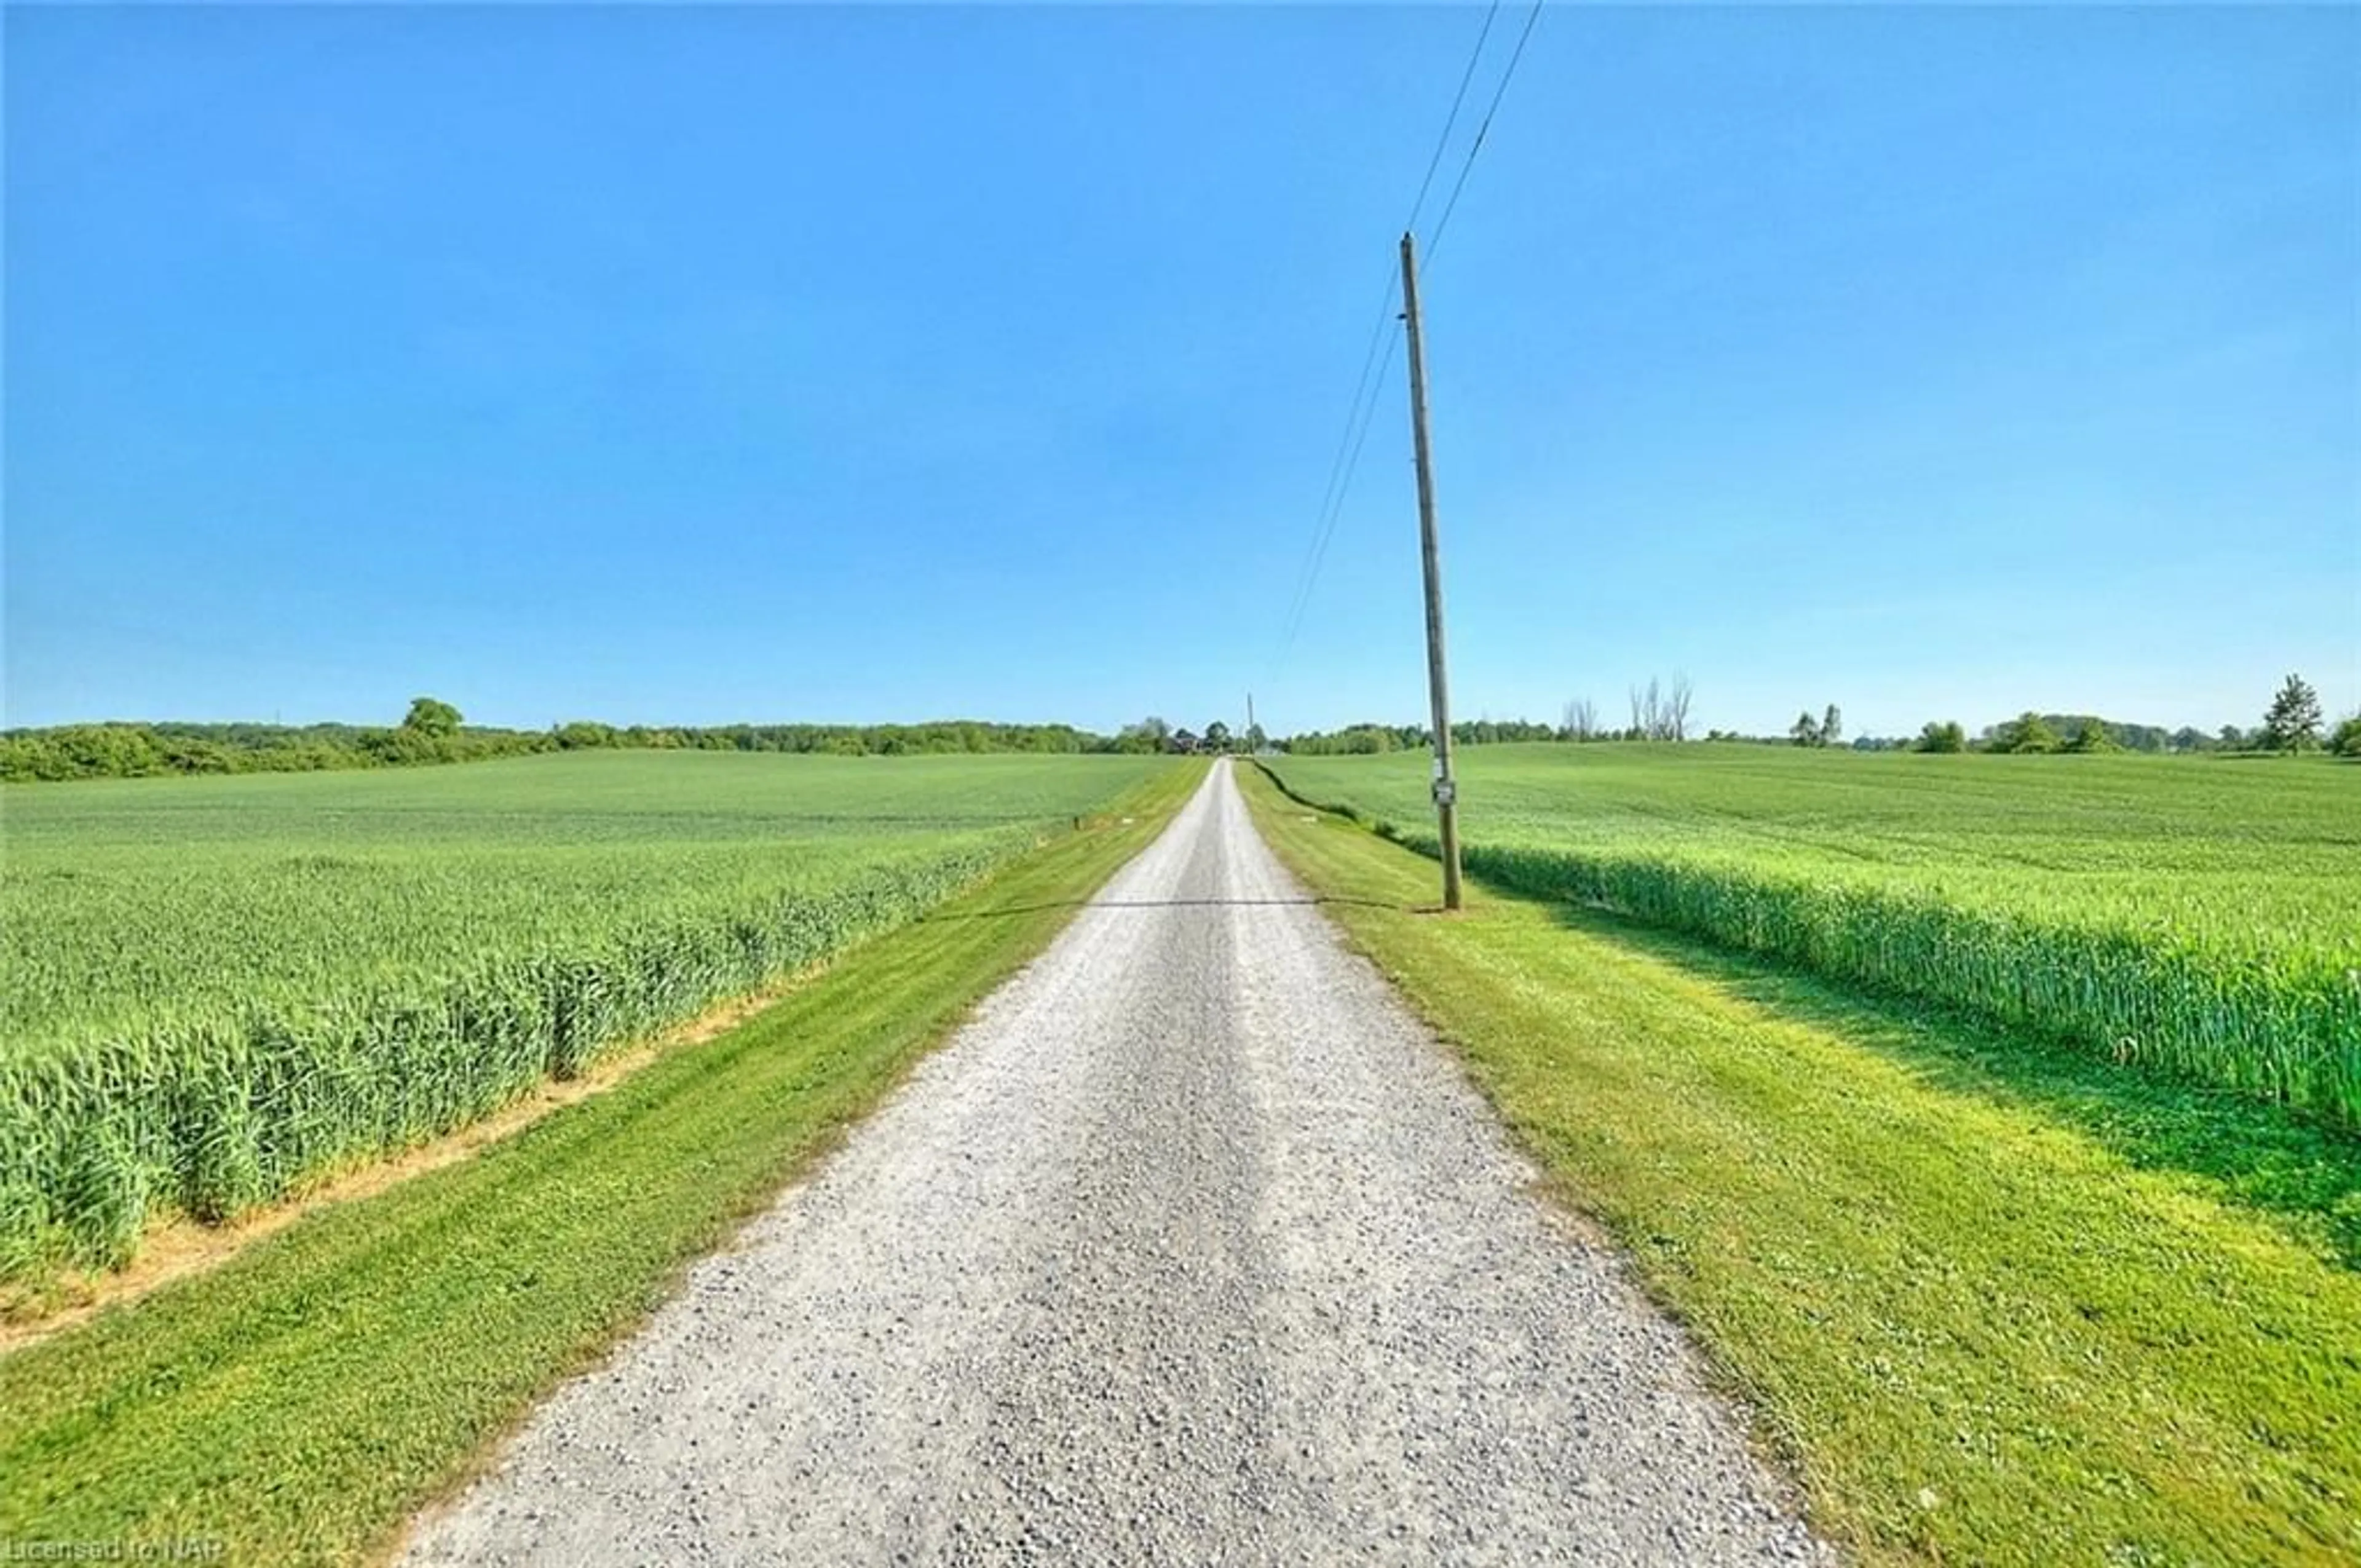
(891, 363)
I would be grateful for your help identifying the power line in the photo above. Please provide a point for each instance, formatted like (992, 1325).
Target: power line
(1434, 241)
(1364, 403)
(1357, 433)
(1452, 118)
(1363, 387)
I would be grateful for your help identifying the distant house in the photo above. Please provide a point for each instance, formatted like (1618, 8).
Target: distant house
(1183, 741)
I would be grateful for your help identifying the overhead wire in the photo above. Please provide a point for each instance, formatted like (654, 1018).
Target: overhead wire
(1308, 573)
(1434, 242)
(1363, 406)
(1418, 203)
(1357, 433)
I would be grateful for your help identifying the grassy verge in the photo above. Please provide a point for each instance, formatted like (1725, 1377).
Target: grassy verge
(1990, 1304)
(298, 1404)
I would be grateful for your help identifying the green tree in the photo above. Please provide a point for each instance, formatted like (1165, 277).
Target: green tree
(2293, 722)
(2026, 732)
(108, 750)
(1946, 737)
(1217, 736)
(1149, 735)
(2092, 737)
(431, 717)
(1831, 726)
(1256, 741)
(189, 756)
(1806, 730)
(2346, 741)
(583, 734)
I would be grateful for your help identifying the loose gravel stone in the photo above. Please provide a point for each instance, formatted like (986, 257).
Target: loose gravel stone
(1193, 1246)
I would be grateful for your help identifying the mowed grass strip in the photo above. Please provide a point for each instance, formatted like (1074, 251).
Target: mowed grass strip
(1975, 1323)
(299, 1404)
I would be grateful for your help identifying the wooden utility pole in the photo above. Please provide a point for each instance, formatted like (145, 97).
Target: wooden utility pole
(1446, 788)
(1250, 723)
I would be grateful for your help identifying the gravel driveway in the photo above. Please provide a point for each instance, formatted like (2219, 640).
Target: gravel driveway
(1193, 1246)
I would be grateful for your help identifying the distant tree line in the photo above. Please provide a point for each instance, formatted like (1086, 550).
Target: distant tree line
(2291, 723)
(949, 736)
(1366, 740)
(142, 751)
(1154, 734)
(432, 732)
(1360, 740)
(1659, 711)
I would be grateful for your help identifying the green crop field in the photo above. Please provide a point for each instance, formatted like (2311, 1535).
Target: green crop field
(2201, 916)
(216, 988)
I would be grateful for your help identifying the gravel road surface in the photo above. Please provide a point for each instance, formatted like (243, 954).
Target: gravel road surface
(1193, 1246)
